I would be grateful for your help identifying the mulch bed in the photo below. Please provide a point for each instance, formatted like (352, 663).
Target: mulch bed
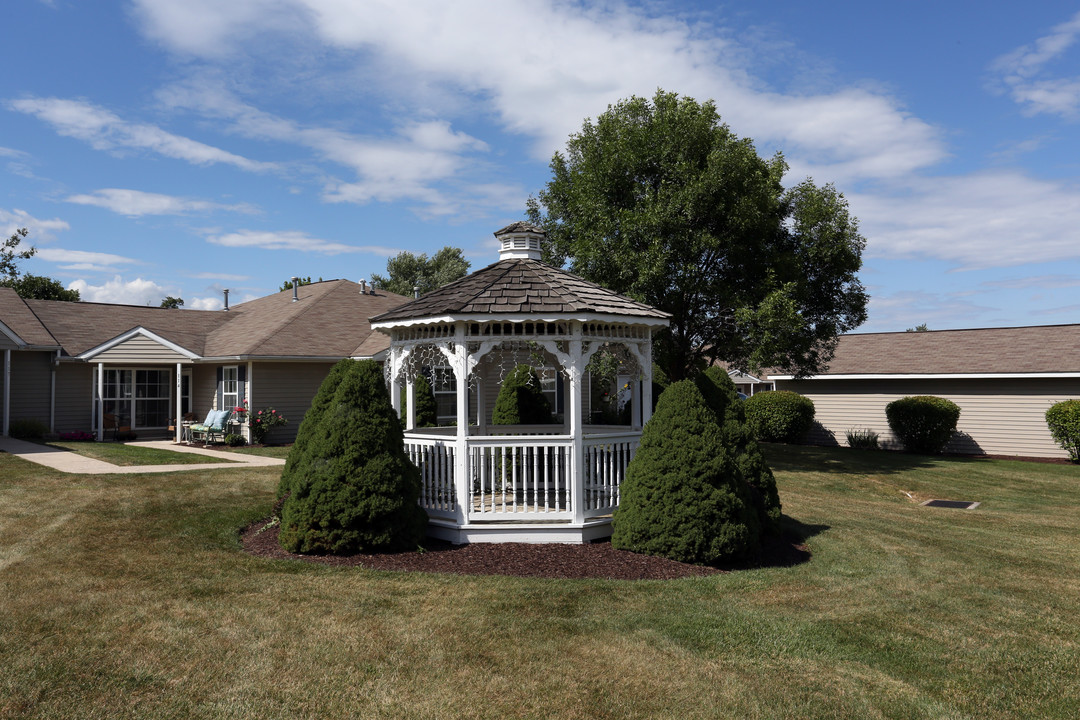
(596, 560)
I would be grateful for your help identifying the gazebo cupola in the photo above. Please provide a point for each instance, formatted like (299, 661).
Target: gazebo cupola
(592, 349)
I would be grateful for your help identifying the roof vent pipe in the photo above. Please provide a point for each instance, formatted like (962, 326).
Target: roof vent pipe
(226, 291)
(295, 288)
(363, 286)
(416, 291)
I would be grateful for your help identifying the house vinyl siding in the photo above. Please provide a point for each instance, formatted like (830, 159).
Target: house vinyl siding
(997, 417)
(203, 390)
(6, 343)
(289, 388)
(139, 350)
(74, 397)
(31, 394)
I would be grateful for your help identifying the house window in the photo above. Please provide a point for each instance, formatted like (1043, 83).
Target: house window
(549, 378)
(230, 387)
(138, 398)
(444, 387)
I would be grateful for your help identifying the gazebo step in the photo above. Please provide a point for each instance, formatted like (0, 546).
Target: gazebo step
(517, 531)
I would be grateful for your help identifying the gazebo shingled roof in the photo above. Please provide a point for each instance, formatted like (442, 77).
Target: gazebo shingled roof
(519, 285)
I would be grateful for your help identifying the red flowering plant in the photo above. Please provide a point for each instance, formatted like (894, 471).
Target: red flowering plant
(240, 412)
(263, 421)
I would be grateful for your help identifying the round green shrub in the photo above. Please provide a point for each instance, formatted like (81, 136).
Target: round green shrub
(350, 486)
(1063, 418)
(683, 497)
(234, 440)
(923, 423)
(521, 400)
(779, 415)
(722, 398)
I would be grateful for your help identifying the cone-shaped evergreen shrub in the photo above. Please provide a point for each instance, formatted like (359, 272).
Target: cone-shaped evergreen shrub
(683, 497)
(722, 397)
(313, 417)
(427, 411)
(352, 489)
(521, 400)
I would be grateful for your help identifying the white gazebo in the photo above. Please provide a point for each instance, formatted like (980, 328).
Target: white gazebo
(517, 483)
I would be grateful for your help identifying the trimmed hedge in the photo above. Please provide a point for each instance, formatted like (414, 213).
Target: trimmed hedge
(779, 415)
(722, 397)
(923, 423)
(1063, 418)
(683, 497)
(28, 429)
(521, 400)
(350, 486)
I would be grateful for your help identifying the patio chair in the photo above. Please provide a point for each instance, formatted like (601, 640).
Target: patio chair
(108, 422)
(214, 425)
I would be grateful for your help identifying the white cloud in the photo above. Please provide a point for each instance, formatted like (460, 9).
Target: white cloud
(83, 260)
(405, 165)
(135, 203)
(12, 220)
(10, 152)
(205, 303)
(105, 131)
(907, 309)
(991, 219)
(1025, 77)
(294, 240)
(540, 68)
(118, 290)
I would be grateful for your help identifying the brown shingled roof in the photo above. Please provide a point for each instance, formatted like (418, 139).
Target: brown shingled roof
(520, 286)
(1038, 349)
(20, 319)
(329, 320)
(81, 326)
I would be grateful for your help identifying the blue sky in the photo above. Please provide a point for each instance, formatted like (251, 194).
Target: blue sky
(158, 148)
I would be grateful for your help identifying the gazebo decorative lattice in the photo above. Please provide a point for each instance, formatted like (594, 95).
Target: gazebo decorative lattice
(537, 483)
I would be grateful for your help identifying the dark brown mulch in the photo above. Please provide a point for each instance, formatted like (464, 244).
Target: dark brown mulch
(596, 560)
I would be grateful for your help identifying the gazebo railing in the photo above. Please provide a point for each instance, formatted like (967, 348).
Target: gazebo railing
(515, 476)
(434, 456)
(522, 477)
(606, 458)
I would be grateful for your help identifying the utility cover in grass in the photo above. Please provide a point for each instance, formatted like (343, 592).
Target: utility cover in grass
(683, 497)
(955, 504)
(351, 487)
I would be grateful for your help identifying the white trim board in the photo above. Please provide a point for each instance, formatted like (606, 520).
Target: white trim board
(109, 344)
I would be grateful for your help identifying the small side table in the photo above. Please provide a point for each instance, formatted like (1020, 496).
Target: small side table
(185, 431)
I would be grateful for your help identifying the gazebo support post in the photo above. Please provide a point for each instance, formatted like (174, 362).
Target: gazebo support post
(462, 482)
(646, 386)
(577, 454)
(410, 404)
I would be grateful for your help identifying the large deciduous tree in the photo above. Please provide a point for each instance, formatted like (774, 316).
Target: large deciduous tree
(406, 271)
(659, 200)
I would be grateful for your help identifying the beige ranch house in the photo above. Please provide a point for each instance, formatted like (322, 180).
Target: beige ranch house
(1003, 379)
(70, 365)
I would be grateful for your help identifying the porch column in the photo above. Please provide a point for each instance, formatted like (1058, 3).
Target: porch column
(52, 391)
(100, 401)
(461, 455)
(646, 388)
(395, 385)
(179, 412)
(7, 391)
(577, 452)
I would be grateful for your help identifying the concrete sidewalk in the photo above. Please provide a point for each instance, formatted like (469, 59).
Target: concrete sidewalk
(70, 462)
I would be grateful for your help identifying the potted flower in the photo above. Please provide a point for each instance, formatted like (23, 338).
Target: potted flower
(240, 413)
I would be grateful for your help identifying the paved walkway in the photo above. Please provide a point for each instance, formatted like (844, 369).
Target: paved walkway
(71, 462)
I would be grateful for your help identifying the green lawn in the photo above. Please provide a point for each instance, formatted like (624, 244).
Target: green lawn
(122, 454)
(274, 451)
(127, 596)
